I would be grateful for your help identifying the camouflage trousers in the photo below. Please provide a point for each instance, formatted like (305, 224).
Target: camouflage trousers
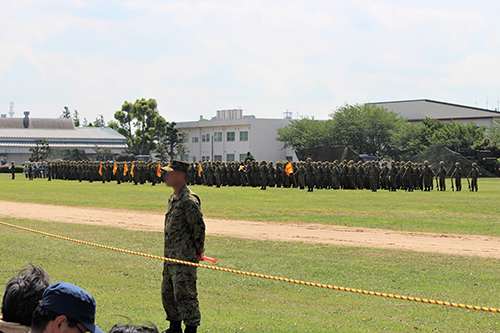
(179, 295)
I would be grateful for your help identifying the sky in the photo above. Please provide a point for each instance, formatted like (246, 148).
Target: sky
(266, 57)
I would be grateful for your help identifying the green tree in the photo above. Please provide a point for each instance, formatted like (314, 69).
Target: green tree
(174, 141)
(113, 124)
(142, 124)
(367, 128)
(306, 133)
(412, 139)
(99, 121)
(162, 152)
(493, 132)
(76, 119)
(66, 114)
(124, 118)
(40, 151)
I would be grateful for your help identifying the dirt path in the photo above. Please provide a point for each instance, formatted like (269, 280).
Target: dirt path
(468, 245)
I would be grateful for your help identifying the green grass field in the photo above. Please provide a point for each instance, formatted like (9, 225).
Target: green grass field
(443, 212)
(126, 285)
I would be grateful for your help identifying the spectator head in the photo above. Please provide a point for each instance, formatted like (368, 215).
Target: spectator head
(119, 328)
(65, 308)
(23, 293)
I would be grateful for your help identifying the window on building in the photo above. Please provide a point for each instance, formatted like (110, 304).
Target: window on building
(195, 139)
(289, 158)
(205, 158)
(185, 158)
(230, 157)
(186, 137)
(217, 158)
(218, 137)
(244, 136)
(205, 138)
(230, 136)
(242, 157)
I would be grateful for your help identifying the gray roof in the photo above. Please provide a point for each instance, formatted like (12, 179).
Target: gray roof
(37, 123)
(421, 108)
(84, 133)
(58, 144)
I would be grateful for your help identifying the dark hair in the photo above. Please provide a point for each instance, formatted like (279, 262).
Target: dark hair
(41, 317)
(121, 328)
(23, 293)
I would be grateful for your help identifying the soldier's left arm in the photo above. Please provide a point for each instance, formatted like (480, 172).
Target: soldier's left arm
(195, 220)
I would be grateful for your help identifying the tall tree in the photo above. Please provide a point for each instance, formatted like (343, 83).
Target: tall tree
(66, 114)
(142, 124)
(367, 128)
(162, 152)
(99, 121)
(40, 151)
(306, 133)
(174, 141)
(76, 118)
(494, 132)
(124, 118)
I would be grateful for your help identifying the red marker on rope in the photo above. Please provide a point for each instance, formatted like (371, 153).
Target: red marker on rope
(203, 257)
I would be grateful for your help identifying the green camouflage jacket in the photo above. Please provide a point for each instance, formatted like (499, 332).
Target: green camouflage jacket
(184, 227)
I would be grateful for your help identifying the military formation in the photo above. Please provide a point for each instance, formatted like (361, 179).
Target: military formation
(137, 172)
(346, 175)
(310, 175)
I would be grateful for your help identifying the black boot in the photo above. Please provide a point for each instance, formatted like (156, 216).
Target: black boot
(175, 327)
(190, 329)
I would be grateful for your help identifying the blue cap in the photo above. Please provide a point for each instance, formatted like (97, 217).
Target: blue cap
(71, 301)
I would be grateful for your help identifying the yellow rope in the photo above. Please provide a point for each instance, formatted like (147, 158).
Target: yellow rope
(269, 277)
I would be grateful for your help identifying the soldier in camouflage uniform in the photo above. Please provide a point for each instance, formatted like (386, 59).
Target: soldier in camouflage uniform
(184, 240)
(384, 176)
(428, 176)
(473, 175)
(374, 174)
(335, 176)
(441, 176)
(408, 177)
(271, 175)
(457, 174)
(218, 174)
(263, 175)
(310, 175)
(278, 174)
(393, 177)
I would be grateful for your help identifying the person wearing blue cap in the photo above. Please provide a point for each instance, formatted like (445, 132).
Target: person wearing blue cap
(65, 308)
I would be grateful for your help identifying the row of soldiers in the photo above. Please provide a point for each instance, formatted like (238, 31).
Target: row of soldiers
(137, 172)
(33, 170)
(407, 176)
(346, 175)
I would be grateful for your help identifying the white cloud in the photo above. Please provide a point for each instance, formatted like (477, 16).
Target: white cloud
(266, 56)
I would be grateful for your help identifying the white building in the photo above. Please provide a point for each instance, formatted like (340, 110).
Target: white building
(416, 110)
(230, 135)
(17, 135)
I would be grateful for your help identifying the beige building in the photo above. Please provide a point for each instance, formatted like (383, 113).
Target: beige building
(230, 135)
(418, 109)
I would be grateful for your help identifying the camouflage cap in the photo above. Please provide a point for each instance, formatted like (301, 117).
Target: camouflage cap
(176, 165)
